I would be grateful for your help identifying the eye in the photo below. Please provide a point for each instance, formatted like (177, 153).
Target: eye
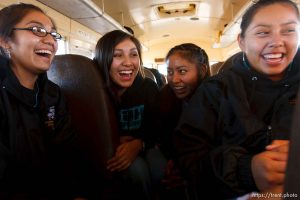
(182, 71)
(40, 30)
(170, 73)
(117, 55)
(289, 30)
(262, 33)
(134, 54)
(55, 35)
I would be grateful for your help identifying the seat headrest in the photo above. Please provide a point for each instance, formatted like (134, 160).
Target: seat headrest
(91, 110)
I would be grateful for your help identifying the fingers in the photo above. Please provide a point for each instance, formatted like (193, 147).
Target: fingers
(277, 156)
(118, 161)
(118, 164)
(282, 148)
(279, 146)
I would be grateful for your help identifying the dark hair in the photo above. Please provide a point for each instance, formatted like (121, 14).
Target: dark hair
(105, 51)
(10, 16)
(252, 10)
(193, 54)
(130, 30)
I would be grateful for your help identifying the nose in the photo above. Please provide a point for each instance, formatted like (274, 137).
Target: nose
(127, 61)
(48, 39)
(175, 78)
(276, 41)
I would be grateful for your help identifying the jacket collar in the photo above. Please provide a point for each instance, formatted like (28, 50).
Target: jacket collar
(242, 67)
(11, 83)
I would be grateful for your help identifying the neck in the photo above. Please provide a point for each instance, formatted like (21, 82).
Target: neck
(25, 78)
(120, 91)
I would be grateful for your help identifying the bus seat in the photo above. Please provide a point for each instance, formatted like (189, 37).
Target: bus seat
(292, 177)
(91, 111)
(214, 68)
(229, 62)
(158, 76)
(149, 74)
(164, 79)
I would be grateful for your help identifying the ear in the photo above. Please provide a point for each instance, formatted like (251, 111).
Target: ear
(241, 42)
(203, 70)
(4, 43)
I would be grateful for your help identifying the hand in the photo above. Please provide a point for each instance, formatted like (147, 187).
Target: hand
(268, 167)
(126, 153)
(172, 178)
(279, 146)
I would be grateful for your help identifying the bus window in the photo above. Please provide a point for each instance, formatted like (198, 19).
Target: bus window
(62, 47)
(162, 68)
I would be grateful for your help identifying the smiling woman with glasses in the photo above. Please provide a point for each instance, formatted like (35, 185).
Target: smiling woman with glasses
(41, 32)
(36, 137)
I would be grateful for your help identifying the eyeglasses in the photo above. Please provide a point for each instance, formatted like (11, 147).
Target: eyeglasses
(41, 32)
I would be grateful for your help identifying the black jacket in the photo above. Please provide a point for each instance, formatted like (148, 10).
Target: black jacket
(137, 110)
(35, 136)
(232, 117)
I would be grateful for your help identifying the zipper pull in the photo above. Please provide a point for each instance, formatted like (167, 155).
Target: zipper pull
(269, 134)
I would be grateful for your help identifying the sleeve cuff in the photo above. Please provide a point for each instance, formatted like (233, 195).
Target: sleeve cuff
(245, 173)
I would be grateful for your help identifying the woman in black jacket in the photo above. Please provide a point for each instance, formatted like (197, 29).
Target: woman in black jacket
(233, 136)
(187, 67)
(136, 159)
(36, 139)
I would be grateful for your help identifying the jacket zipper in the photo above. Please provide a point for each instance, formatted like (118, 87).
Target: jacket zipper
(269, 134)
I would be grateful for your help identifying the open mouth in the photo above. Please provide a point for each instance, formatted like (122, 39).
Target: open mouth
(43, 53)
(179, 89)
(274, 57)
(126, 74)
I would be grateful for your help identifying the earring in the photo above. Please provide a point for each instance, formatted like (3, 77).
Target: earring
(7, 52)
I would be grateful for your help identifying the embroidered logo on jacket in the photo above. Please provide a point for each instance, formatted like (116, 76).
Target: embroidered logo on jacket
(50, 118)
(131, 118)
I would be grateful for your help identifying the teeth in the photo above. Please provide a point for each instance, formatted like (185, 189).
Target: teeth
(43, 51)
(270, 56)
(126, 72)
(178, 87)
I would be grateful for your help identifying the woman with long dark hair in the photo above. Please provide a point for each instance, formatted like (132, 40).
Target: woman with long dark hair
(119, 59)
